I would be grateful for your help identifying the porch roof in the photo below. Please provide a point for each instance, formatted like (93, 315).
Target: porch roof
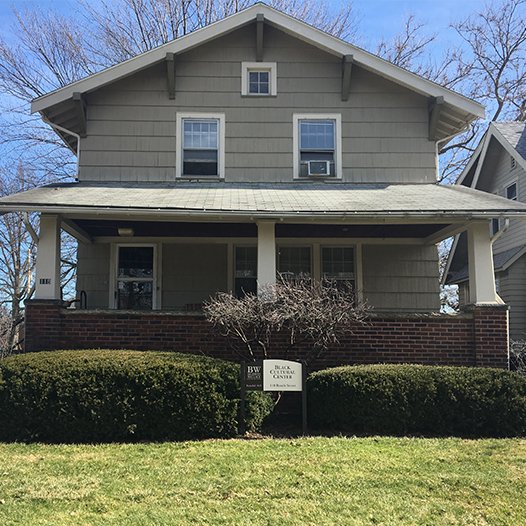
(298, 200)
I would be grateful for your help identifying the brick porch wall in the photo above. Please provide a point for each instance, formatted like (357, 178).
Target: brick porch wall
(476, 337)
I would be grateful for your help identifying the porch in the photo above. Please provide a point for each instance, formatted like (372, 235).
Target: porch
(148, 256)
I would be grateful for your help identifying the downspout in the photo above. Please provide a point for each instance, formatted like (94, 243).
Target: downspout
(493, 239)
(29, 227)
(69, 132)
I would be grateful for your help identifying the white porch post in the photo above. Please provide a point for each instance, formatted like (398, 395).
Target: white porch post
(266, 254)
(480, 264)
(48, 259)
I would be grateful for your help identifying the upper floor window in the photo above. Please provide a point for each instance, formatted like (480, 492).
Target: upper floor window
(258, 78)
(200, 145)
(317, 145)
(511, 191)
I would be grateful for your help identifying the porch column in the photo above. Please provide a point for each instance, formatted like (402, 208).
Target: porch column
(266, 254)
(480, 264)
(48, 259)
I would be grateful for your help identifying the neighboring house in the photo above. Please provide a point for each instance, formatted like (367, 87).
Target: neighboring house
(498, 166)
(260, 145)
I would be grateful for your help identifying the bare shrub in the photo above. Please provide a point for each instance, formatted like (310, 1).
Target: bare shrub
(518, 356)
(302, 310)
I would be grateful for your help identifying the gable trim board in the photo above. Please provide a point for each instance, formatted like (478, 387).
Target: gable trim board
(480, 153)
(469, 109)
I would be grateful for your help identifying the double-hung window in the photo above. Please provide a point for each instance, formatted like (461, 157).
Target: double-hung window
(294, 262)
(317, 143)
(200, 145)
(337, 265)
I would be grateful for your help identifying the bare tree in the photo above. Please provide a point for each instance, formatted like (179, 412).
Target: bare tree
(17, 255)
(301, 311)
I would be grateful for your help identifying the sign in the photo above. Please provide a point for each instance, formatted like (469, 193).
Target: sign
(282, 375)
(273, 375)
(253, 376)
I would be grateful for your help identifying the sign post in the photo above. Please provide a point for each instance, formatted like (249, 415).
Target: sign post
(273, 376)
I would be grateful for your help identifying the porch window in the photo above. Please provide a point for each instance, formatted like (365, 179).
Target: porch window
(337, 265)
(245, 271)
(135, 278)
(294, 262)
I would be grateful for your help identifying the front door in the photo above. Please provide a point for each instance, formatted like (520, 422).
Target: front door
(135, 280)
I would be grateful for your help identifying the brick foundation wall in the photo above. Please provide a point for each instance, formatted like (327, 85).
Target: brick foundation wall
(476, 337)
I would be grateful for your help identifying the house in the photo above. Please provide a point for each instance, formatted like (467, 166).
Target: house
(498, 166)
(259, 145)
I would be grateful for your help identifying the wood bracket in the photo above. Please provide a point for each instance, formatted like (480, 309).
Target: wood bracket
(436, 105)
(347, 62)
(80, 110)
(170, 74)
(260, 21)
(75, 231)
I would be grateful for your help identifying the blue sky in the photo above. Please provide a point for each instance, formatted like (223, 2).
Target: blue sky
(377, 17)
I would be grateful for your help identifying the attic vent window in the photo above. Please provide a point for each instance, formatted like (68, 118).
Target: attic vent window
(258, 79)
(513, 163)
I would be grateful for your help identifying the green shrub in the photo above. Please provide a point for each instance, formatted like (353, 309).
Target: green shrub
(416, 399)
(93, 396)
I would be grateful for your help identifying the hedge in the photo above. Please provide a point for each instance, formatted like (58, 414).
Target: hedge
(100, 396)
(417, 399)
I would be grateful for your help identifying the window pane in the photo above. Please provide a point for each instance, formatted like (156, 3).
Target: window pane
(317, 134)
(294, 261)
(135, 295)
(263, 76)
(254, 87)
(258, 82)
(246, 271)
(135, 262)
(253, 76)
(337, 263)
(263, 87)
(199, 133)
(511, 191)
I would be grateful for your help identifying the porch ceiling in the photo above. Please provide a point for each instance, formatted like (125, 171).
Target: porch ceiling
(102, 228)
(293, 202)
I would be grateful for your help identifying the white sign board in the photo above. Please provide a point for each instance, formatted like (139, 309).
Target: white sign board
(282, 375)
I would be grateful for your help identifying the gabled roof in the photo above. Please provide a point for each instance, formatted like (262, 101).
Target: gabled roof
(458, 110)
(510, 134)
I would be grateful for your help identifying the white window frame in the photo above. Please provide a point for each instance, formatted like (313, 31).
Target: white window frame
(296, 118)
(114, 270)
(517, 190)
(180, 117)
(271, 67)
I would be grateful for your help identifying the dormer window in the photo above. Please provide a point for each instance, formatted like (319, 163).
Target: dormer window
(258, 79)
(200, 145)
(317, 144)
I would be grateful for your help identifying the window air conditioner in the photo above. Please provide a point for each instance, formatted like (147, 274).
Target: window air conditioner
(319, 167)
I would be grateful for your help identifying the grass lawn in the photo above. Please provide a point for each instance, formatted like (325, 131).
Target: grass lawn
(318, 481)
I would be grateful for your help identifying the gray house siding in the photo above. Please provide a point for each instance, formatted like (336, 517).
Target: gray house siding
(132, 123)
(191, 272)
(93, 273)
(513, 292)
(401, 277)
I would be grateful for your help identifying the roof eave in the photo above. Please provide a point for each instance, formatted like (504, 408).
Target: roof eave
(284, 22)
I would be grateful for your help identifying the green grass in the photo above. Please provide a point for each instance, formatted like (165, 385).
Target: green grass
(318, 481)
